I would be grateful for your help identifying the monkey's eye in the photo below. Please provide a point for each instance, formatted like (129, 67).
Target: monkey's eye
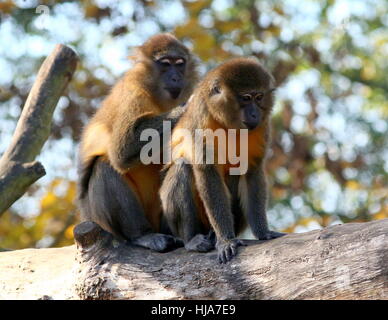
(165, 62)
(179, 62)
(246, 97)
(259, 97)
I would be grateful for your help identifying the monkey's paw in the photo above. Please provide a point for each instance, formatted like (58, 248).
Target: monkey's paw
(158, 242)
(271, 235)
(227, 249)
(200, 243)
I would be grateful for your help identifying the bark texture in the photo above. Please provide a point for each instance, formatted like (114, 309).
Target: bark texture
(347, 261)
(18, 170)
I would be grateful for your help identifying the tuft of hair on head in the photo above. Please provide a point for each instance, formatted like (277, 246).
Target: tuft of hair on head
(242, 73)
(161, 44)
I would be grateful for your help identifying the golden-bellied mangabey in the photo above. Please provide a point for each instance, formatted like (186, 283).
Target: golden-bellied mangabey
(116, 190)
(199, 198)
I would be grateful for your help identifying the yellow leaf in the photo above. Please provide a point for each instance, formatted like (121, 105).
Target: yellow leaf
(48, 200)
(91, 10)
(353, 185)
(204, 45)
(71, 191)
(306, 221)
(69, 232)
(368, 72)
(326, 219)
(382, 214)
(228, 26)
(7, 6)
(279, 193)
(278, 10)
(190, 29)
(289, 229)
(275, 30)
(149, 3)
(196, 6)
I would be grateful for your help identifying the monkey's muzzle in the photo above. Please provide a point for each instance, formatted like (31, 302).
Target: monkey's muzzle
(174, 92)
(251, 116)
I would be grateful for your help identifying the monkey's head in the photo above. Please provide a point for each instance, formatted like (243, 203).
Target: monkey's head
(238, 93)
(171, 69)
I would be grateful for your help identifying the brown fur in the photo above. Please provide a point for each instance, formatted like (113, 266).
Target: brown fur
(216, 104)
(111, 134)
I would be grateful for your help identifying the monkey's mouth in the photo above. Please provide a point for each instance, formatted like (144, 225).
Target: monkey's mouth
(250, 124)
(174, 92)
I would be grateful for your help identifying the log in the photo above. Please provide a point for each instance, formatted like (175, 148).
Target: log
(347, 261)
(18, 170)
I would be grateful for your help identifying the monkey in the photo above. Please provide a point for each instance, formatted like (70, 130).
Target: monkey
(203, 203)
(115, 189)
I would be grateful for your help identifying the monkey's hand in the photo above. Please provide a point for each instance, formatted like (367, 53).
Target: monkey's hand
(271, 235)
(176, 113)
(227, 249)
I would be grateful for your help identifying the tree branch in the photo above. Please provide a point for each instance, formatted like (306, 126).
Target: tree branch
(347, 261)
(17, 169)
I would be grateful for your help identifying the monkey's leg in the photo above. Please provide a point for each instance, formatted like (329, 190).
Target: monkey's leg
(214, 194)
(239, 218)
(257, 196)
(114, 206)
(180, 210)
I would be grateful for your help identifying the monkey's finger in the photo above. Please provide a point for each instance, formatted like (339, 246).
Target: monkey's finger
(228, 253)
(233, 250)
(219, 257)
(222, 257)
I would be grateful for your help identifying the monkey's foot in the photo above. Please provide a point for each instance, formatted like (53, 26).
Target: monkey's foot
(158, 242)
(228, 249)
(200, 243)
(272, 235)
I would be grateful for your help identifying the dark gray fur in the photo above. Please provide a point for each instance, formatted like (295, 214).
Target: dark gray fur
(104, 197)
(229, 217)
(236, 94)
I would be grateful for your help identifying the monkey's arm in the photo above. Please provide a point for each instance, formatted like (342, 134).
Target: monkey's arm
(125, 145)
(213, 192)
(257, 204)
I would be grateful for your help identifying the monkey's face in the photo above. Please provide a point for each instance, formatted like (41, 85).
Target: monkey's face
(243, 110)
(252, 108)
(168, 69)
(172, 75)
(240, 95)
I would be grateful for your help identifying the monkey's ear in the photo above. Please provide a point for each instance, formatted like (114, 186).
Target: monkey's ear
(137, 54)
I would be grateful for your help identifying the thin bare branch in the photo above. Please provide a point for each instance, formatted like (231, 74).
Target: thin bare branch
(17, 167)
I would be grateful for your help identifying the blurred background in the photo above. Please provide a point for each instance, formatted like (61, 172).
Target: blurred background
(329, 158)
